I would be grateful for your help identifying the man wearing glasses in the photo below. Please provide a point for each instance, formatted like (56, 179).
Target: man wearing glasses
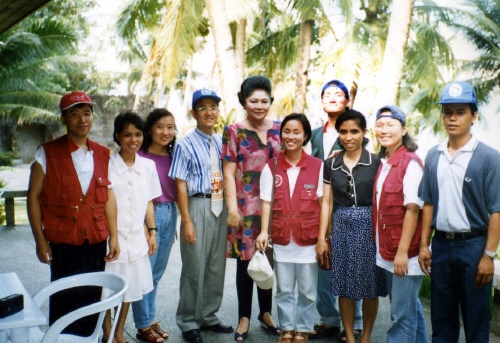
(197, 169)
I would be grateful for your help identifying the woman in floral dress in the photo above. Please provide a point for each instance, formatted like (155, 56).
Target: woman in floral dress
(247, 146)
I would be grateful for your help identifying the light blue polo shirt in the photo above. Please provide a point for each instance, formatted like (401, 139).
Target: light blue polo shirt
(451, 174)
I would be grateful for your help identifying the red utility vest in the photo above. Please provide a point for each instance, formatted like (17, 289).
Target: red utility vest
(391, 210)
(298, 216)
(69, 216)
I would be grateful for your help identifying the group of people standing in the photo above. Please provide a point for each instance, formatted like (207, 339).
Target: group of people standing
(229, 189)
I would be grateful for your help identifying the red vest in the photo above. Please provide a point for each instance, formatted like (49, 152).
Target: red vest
(298, 216)
(69, 216)
(391, 211)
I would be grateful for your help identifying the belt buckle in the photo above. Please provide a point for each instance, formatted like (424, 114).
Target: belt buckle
(450, 235)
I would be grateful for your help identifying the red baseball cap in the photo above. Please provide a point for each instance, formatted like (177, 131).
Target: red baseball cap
(74, 98)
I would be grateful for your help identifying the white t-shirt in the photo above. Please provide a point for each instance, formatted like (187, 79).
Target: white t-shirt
(291, 253)
(83, 162)
(411, 181)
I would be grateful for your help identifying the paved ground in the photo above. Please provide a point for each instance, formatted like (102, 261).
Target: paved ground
(17, 253)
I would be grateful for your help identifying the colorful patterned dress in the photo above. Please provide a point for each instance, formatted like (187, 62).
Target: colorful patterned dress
(244, 147)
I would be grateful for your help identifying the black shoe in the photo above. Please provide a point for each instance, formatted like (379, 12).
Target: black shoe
(192, 336)
(324, 332)
(220, 328)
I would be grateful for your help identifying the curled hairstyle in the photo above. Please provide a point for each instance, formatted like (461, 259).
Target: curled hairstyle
(360, 119)
(305, 125)
(407, 141)
(151, 119)
(123, 120)
(252, 83)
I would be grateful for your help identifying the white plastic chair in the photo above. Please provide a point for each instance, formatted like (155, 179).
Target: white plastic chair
(114, 282)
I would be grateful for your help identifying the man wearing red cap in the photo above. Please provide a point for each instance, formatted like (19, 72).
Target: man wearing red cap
(71, 209)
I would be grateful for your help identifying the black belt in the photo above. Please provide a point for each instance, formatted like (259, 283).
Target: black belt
(201, 195)
(459, 235)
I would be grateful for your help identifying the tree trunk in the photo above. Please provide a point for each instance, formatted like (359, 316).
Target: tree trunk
(224, 54)
(391, 72)
(241, 25)
(305, 40)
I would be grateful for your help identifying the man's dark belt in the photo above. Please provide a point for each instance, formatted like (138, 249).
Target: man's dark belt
(201, 195)
(460, 235)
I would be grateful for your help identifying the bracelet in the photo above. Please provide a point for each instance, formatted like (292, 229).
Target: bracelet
(152, 229)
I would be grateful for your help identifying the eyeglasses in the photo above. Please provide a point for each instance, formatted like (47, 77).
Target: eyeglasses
(388, 127)
(350, 185)
(212, 109)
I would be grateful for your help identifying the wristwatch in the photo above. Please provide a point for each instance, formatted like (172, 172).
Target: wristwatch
(491, 254)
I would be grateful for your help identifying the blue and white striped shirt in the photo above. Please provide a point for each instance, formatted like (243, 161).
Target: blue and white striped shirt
(191, 161)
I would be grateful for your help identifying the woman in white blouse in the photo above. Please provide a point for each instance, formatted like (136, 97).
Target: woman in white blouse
(135, 183)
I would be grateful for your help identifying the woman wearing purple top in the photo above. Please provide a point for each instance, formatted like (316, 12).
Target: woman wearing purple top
(159, 141)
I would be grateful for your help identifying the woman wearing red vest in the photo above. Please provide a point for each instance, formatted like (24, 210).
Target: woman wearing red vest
(348, 186)
(397, 224)
(295, 225)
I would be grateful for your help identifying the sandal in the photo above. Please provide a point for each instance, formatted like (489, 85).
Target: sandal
(301, 337)
(149, 335)
(356, 332)
(271, 329)
(286, 336)
(156, 328)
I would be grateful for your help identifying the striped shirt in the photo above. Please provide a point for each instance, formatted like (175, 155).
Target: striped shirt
(191, 161)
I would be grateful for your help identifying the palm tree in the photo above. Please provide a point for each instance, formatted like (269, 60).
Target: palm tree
(30, 63)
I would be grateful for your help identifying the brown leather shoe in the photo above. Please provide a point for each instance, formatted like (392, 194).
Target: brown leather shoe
(156, 328)
(286, 336)
(301, 337)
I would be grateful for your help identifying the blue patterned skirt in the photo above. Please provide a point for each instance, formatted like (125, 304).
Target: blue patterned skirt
(355, 274)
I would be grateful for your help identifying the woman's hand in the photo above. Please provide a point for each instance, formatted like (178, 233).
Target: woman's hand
(401, 264)
(321, 247)
(152, 242)
(261, 241)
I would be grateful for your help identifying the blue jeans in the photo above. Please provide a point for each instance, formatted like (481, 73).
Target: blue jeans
(304, 275)
(407, 316)
(327, 303)
(144, 310)
(454, 270)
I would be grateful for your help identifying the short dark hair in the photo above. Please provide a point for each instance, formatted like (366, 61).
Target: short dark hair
(252, 83)
(303, 120)
(350, 114)
(78, 106)
(151, 119)
(123, 120)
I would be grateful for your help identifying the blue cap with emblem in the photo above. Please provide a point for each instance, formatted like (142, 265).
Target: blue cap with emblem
(338, 84)
(204, 93)
(459, 92)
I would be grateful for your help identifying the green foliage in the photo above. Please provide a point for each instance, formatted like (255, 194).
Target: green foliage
(3, 184)
(425, 288)
(7, 160)
(2, 211)
(38, 61)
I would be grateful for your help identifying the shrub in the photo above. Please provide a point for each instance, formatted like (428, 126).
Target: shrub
(6, 159)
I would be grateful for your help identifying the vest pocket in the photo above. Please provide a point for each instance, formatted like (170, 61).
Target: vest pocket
(310, 230)
(101, 188)
(278, 201)
(277, 228)
(394, 194)
(308, 200)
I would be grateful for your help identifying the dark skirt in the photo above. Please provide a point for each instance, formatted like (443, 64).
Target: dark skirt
(355, 274)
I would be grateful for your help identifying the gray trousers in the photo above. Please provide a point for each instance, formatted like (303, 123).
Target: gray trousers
(203, 267)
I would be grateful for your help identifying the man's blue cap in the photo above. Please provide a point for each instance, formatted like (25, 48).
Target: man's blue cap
(204, 93)
(338, 84)
(395, 113)
(459, 92)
